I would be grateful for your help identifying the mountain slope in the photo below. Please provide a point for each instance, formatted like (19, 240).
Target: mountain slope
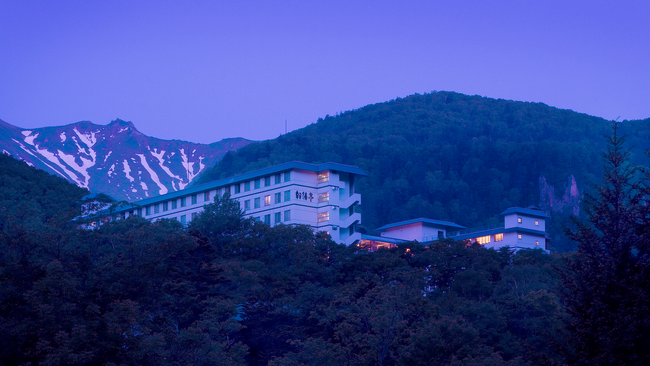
(115, 159)
(453, 157)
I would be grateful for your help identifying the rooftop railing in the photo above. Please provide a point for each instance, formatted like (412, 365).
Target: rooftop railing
(474, 230)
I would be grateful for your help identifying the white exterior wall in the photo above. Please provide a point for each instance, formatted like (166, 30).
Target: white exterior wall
(304, 208)
(406, 232)
(527, 222)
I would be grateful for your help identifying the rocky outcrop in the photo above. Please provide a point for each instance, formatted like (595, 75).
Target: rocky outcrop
(551, 202)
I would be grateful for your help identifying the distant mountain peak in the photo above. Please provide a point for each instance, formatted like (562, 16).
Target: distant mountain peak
(115, 159)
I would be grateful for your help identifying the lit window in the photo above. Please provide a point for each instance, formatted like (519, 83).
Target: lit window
(247, 186)
(278, 217)
(536, 223)
(183, 219)
(498, 237)
(267, 200)
(247, 205)
(267, 219)
(324, 197)
(206, 196)
(165, 206)
(257, 202)
(257, 183)
(287, 215)
(267, 181)
(183, 201)
(287, 176)
(519, 220)
(536, 242)
(323, 177)
(483, 239)
(278, 197)
(519, 236)
(278, 179)
(287, 196)
(194, 199)
(174, 204)
(237, 188)
(323, 216)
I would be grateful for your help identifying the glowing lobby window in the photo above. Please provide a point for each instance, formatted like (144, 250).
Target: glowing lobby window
(498, 237)
(324, 197)
(483, 239)
(519, 236)
(324, 216)
(323, 177)
(267, 200)
(536, 223)
(519, 220)
(536, 242)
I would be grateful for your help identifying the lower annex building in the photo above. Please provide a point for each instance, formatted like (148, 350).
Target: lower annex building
(319, 195)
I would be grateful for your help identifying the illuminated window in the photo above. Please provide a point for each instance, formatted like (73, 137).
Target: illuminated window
(194, 199)
(247, 205)
(536, 242)
(519, 220)
(267, 200)
(287, 196)
(498, 237)
(278, 217)
(287, 215)
(257, 202)
(323, 177)
(519, 236)
(324, 197)
(278, 197)
(536, 223)
(257, 183)
(483, 239)
(287, 176)
(174, 204)
(278, 179)
(267, 181)
(323, 216)
(267, 219)
(247, 186)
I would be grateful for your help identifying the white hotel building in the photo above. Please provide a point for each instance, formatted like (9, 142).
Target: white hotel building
(319, 195)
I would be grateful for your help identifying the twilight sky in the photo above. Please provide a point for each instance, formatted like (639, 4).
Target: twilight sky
(206, 70)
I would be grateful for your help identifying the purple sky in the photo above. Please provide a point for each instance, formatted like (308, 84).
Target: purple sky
(206, 70)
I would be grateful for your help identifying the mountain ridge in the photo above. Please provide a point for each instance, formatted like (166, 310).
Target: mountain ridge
(115, 159)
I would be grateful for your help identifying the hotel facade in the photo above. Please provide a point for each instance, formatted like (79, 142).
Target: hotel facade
(321, 196)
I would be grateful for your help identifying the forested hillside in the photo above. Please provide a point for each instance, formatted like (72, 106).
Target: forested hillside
(453, 157)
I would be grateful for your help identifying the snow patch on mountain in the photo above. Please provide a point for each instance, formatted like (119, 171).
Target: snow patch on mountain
(55, 159)
(62, 136)
(80, 168)
(160, 157)
(107, 155)
(89, 138)
(154, 176)
(127, 171)
(111, 170)
(29, 138)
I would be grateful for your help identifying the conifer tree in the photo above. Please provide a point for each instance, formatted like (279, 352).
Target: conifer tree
(607, 287)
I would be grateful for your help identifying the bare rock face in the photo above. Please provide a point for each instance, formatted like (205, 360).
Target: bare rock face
(115, 159)
(550, 202)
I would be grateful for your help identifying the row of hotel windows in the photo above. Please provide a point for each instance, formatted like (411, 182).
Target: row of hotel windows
(173, 204)
(279, 217)
(497, 237)
(520, 220)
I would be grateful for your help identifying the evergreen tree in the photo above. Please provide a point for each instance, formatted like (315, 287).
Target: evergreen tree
(607, 282)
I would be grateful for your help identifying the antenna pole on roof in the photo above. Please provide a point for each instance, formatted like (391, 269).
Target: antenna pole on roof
(285, 142)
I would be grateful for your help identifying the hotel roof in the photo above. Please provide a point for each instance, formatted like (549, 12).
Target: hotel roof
(424, 221)
(526, 211)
